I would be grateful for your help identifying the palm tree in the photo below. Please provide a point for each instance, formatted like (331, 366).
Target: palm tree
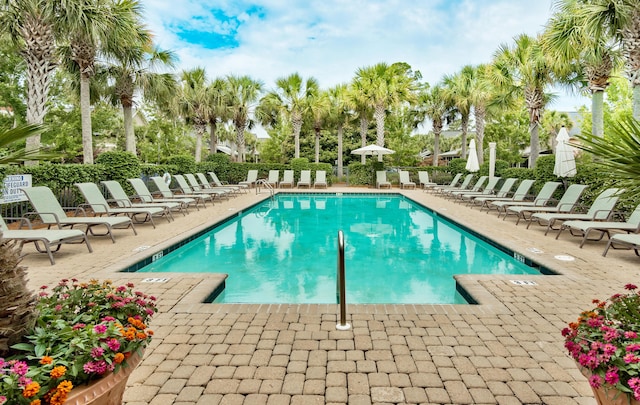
(32, 25)
(101, 26)
(566, 38)
(133, 72)
(620, 20)
(552, 121)
(219, 112)
(357, 98)
(480, 93)
(384, 86)
(457, 87)
(340, 112)
(289, 99)
(524, 71)
(192, 102)
(434, 105)
(319, 106)
(243, 93)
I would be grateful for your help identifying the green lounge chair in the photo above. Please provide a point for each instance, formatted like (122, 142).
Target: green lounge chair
(490, 189)
(204, 183)
(423, 179)
(43, 239)
(463, 186)
(479, 185)
(287, 179)
(600, 210)
(218, 183)
(503, 192)
(143, 193)
(519, 195)
(184, 188)
(544, 196)
(195, 186)
(252, 177)
(120, 197)
(99, 205)
(405, 180)
(321, 179)
(48, 208)
(584, 228)
(453, 183)
(274, 178)
(627, 240)
(381, 179)
(566, 204)
(305, 179)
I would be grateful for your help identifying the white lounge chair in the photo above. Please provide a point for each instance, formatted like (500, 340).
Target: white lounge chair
(584, 228)
(274, 178)
(381, 179)
(143, 193)
(252, 177)
(166, 192)
(219, 183)
(423, 179)
(627, 240)
(287, 179)
(566, 204)
(119, 196)
(305, 179)
(321, 179)
(405, 181)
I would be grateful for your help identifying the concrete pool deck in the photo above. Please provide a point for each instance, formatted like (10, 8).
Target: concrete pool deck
(506, 350)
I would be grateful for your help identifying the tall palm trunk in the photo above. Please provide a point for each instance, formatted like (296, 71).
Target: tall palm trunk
(296, 121)
(597, 112)
(598, 75)
(200, 128)
(129, 134)
(437, 130)
(85, 118)
(631, 50)
(364, 128)
(464, 121)
(379, 116)
(317, 131)
(240, 126)
(535, 102)
(480, 112)
(213, 136)
(340, 136)
(40, 56)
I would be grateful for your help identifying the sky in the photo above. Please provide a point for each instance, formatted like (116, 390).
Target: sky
(331, 39)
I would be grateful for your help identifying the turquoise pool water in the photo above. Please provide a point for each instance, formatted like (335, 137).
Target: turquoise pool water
(285, 251)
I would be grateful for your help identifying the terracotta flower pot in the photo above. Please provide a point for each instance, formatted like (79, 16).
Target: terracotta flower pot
(608, 396)
(108, 390)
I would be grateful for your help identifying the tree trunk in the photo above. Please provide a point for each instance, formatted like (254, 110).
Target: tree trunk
(85, 118)
(379, 114)
(213, 136)
(480, 113)
(129, 134)
(317, 145)
(534, 129)
(636, 100)
(465, 128)
(437, 129)
(296, 120)
(200, 130)
(340, 135)
(597, 116)
(364, 128)
(240, 143)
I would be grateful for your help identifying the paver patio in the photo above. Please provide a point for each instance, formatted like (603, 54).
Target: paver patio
(506, 350)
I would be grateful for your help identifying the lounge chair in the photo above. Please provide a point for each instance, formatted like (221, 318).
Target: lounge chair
(566, 204)
(252, 177)
(518, 196)
(143, 193)
(381, 179)
(541, 199)
(48, 208)
(601, 210)
(503, 192)
(119, 196)
(274, 178)
(305, 179)
(453, 183)
(205, 184)
(423, 179)
(584, 228)
(183, 187)
(477, 187)
(218, 183)
(627, 240)
(196, 188)
(463, 186)
(490, 189)
(43, 239)
(287, 179)
(100, 206)
(321, 179)
(405, 181)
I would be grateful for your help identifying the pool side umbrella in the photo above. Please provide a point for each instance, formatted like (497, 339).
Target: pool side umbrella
(373, 150)
(472, 160)
(565, 165)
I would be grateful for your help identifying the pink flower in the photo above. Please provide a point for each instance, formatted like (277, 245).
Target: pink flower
(595, 380)
(113, 344)
(631, 358)
(79, 326)
(100, 328)
(97, 352)
(630, 334)
(612, 377)
(634, 347)
(121, 289)
(108, 319)
(58, 308)
(3, 399)
(20, 368)
(630, 287)
(117, 305)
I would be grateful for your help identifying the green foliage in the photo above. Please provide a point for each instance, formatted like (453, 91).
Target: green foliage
(521, 173)
(457, 166)
(119, 166)
(360, 174)
(183, 163)
(218, 158)
(500, 167)
(299, 164)
(544, 168)
(156, 170)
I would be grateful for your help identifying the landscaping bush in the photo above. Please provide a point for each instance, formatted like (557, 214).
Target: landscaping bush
(183, 163)
(457, 166)
(119, 166)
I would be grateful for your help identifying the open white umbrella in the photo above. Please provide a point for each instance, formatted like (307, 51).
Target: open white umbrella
(373, 150)
(472, 159)
(565, 165)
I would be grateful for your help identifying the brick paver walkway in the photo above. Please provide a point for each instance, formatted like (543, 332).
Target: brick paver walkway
(506, 350)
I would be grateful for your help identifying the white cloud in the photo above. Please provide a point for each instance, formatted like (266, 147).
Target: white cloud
(330, 39)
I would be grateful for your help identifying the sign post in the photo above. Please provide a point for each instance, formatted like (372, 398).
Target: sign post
(11, 188)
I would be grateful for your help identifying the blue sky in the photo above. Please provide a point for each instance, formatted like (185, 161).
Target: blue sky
(331, 39)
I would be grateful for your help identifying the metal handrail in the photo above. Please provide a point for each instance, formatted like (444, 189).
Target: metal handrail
(341, 286)
(266, 185)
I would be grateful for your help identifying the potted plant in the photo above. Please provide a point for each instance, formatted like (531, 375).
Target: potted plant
(605, 342)
(84, 334)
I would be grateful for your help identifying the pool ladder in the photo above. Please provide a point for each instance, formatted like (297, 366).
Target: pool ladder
(341, 288)
(265, 184)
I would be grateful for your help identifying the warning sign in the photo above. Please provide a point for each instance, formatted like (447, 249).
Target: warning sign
(11, 188)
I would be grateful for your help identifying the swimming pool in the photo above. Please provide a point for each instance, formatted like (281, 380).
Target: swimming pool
(284, 250)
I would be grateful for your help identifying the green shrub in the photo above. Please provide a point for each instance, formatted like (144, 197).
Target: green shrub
(360, 174)
(457, 165)
(119, 166)
(500, 167)
(183, 163)
(219, 158)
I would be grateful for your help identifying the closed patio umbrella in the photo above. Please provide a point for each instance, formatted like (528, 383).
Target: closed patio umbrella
(565, 164)
(472, 159)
